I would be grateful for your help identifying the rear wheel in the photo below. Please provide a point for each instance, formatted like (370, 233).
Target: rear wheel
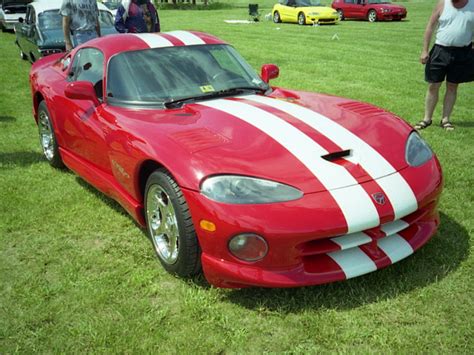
(47, 137)
(276, 17)
(372, 16)
(301, 19)
(170, 226)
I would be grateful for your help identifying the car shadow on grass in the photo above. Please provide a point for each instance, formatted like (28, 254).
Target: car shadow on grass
(7, 119)
(430, 264)
(20, 159)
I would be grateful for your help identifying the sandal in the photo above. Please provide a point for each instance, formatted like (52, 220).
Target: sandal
(446, 125)
(422, 125)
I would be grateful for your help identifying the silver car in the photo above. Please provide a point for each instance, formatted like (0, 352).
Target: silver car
(10, 12)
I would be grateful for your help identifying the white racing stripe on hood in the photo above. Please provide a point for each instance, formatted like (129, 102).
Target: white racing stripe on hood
(154, 40)
(186, 37)
(396, 188)
(353, 200)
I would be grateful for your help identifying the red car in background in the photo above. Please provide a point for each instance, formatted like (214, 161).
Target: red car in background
(372, 10)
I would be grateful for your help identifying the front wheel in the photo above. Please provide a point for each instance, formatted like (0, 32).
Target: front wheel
(276, 17)
(341, 14)
(372, 16)
(47, 137)
(301, 19)
(169, 225)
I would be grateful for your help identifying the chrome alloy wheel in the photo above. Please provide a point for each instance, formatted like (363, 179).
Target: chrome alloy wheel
(162, 224)
(46, 135)
(372, 17)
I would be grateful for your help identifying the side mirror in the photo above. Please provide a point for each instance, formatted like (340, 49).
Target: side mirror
(81, 90)
(21, 20)
(269, 72)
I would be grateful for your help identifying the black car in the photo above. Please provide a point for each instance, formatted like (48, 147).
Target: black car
(40, 32)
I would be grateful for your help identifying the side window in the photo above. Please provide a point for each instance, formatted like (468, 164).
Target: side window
(88, 65)
(32, 17)
(348, 1)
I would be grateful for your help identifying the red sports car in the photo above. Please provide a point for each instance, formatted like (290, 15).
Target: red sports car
(372, 10)
(253, 184)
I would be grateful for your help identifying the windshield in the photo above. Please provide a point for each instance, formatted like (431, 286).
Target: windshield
(160, 75)
(52, 19)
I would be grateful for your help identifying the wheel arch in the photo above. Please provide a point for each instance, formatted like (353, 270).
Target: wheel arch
(37, 98)
(145, 170)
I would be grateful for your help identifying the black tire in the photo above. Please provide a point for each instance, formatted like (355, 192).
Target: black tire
(301, 19)
(341, 14)
(276, 17)
(49, 144)
(169, 225)
(372, 16)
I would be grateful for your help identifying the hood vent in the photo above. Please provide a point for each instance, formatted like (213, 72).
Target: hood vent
(336, 155)
(362, 108)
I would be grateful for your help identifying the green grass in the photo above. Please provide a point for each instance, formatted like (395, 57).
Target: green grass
(78, 275)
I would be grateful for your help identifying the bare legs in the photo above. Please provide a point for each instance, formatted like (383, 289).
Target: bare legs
(432, 96)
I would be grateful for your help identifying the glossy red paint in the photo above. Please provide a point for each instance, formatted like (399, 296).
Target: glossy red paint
(360, 9)
(311, 240)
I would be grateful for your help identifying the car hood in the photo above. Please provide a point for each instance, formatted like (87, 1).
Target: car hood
(15, 2)
(310, 141)
(319, 9)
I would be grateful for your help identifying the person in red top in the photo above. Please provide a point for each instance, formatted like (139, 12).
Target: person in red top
(450, 59)
(137, 16)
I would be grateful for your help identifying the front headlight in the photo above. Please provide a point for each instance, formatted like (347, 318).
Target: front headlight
(417, 151)
(246, 190)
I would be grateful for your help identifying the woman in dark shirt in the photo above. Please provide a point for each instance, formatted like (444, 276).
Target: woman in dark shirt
(137, 16)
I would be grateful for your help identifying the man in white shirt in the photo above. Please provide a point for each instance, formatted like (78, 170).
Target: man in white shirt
(80, 21)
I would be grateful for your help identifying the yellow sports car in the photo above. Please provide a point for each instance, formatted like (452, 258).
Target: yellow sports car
(304, 12)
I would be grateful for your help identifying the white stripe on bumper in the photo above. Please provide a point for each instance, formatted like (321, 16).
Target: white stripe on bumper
(354, 262)
(395, 247)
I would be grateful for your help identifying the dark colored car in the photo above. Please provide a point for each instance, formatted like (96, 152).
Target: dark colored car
(370, 10)
(40, 32)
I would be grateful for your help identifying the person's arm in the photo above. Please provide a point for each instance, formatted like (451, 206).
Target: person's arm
(430, 28)
(97, 23)
(157, 20)
(97, 27)
(67, 32)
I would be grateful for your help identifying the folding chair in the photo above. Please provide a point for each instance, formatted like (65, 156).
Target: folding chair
(253, 12)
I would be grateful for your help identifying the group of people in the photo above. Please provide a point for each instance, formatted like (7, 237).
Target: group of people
(81, 19)
(451, 59)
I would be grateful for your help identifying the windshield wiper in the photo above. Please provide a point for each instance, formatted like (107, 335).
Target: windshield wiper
(221, 93)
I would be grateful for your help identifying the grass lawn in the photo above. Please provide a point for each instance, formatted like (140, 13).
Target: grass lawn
(78, 275)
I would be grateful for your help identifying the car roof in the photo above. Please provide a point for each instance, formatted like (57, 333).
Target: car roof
(46, 5)
(124, 42)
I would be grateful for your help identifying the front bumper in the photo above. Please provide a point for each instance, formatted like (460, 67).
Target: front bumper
(307, 239)
(322, 20)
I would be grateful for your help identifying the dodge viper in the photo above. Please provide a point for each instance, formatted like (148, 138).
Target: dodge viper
(251, 184)
(304, 12)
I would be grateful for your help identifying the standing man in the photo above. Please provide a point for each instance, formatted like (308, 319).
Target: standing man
(80, 21)
(450, 59)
